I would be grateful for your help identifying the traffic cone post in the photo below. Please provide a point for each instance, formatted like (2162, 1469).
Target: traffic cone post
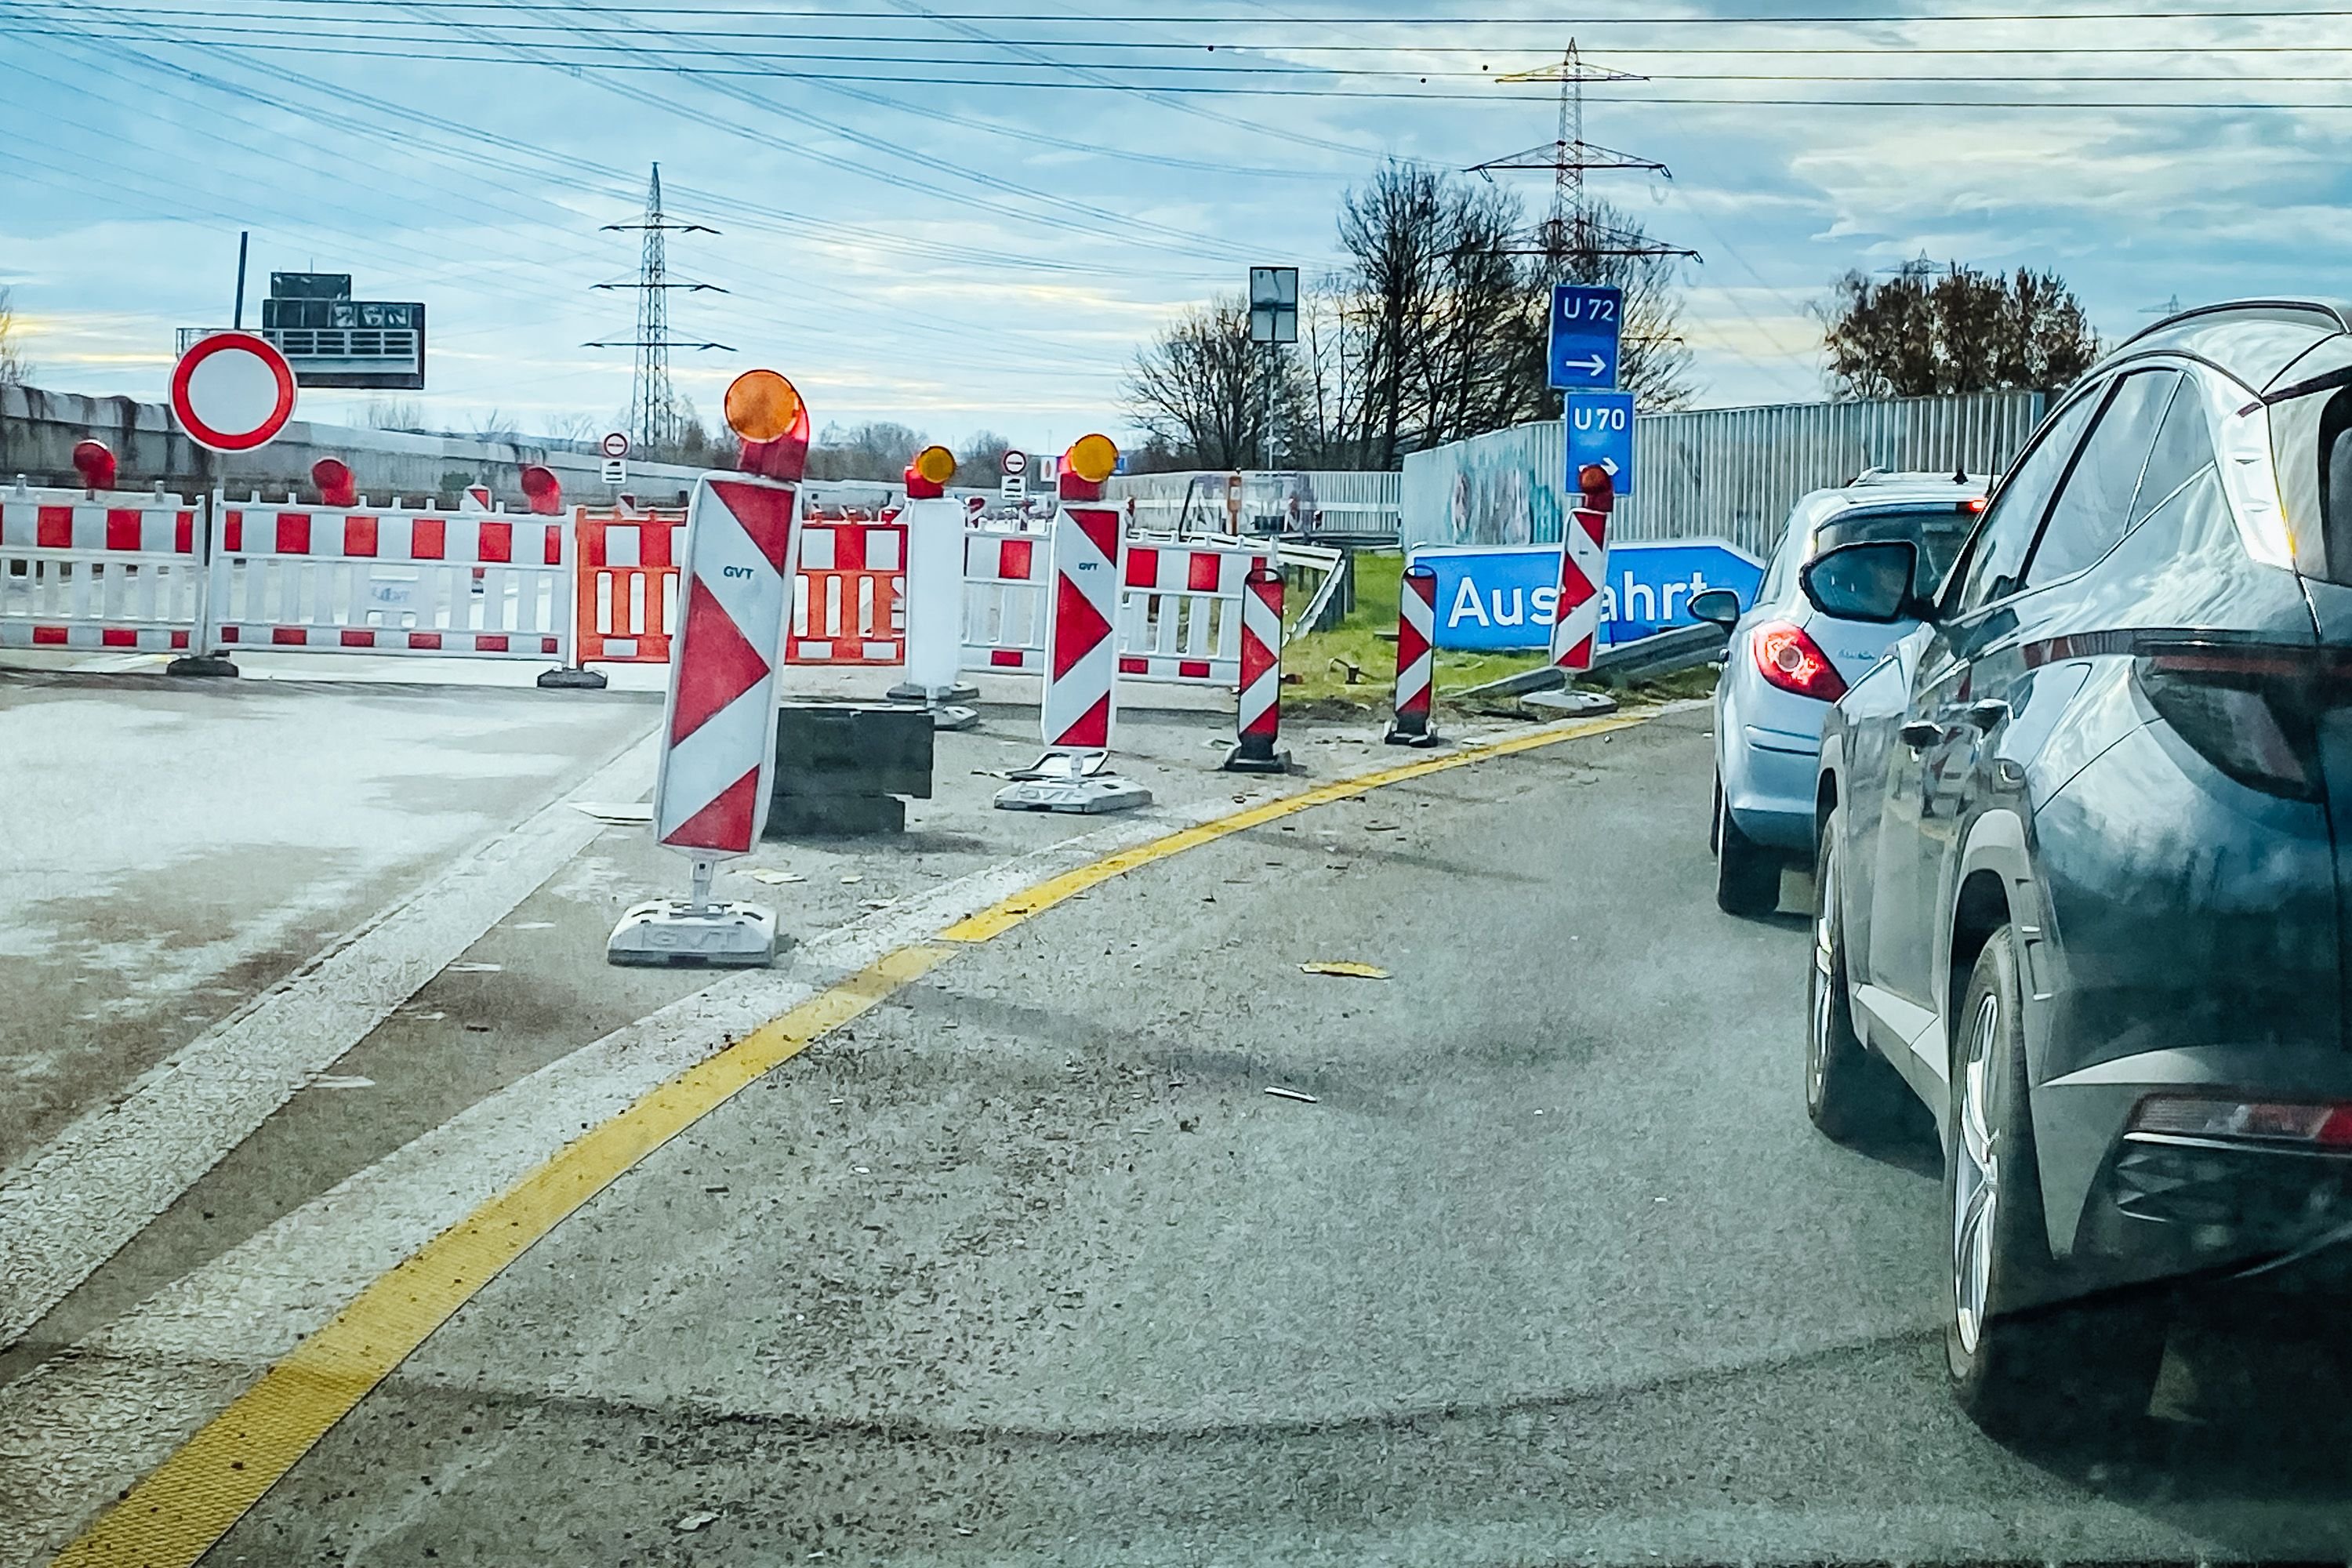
(1081, 651)
(1258, 717)
(718, 761)
(1416, 658)
(933, 602)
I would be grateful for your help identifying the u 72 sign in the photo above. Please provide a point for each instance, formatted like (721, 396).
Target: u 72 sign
(1587, 321)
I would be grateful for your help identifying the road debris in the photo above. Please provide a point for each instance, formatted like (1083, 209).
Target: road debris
(694, 1522)
(628, 812)
(341, 1080)
(1292, 1094)
(476, 969)
(772, 877)
(1347, 970)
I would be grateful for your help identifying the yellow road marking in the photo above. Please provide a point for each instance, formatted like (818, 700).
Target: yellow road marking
(176, 1514)
(1002, 917)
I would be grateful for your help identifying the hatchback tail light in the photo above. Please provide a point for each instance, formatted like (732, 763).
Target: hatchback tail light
(1792, 661)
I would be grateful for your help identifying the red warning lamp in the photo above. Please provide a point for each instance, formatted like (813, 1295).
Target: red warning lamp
(337, 486)
(543, 489)
(1090, 460)
(95, 463)
(927, 475)
(1598, 492)
(765, 410)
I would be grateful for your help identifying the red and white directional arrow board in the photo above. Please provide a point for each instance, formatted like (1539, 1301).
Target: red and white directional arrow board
(1081, 654)
(718, 734)
(1583, 560)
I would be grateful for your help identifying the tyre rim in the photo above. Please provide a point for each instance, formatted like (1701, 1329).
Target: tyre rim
(1976, 1191)
(1817, 1043)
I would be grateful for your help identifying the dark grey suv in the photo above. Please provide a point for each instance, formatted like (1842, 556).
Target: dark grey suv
(2085, 850)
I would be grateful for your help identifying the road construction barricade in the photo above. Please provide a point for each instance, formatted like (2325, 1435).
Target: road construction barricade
(847, 594)
(1006, 565)
(625, 586)
(104, 569)
(389, 580)
(1179, 609)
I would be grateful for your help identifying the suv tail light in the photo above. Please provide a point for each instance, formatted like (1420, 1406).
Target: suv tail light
(2250, 708)
(1792, 661)
(2322, 1126)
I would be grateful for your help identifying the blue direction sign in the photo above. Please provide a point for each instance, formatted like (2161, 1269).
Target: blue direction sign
(1600, 430)
(1586, 320)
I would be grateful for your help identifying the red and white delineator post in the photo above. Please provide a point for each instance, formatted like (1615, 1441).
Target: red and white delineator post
(933, 602)
(1081, 650)
(1416, 658)
(719, 727)
(1258, 716)
(1583, 563)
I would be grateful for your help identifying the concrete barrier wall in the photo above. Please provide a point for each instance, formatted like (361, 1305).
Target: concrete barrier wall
(39, 431)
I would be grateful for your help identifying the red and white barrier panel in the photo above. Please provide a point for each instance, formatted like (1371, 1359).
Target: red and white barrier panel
(1416, 658)
(1004, 604)
(97, 570)
(846, 594)
(1080, 663)
(1584, 560)
(1258, 713)
(390, 580)
(626, 585)
(1179, 613)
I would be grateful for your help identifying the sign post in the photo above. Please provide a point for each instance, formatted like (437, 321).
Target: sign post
(1585, 351)
(1013, 471)
(231, 392)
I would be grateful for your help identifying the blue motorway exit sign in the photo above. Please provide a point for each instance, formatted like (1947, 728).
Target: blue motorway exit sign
(1586, 324)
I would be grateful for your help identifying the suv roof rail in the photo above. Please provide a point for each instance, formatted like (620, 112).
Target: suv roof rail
(2333, 312)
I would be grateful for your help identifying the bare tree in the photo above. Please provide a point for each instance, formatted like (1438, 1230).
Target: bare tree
(394, 414)
(980, 454)
(494, 426)
(1951, 329)
(1199, 390)
(13, 369)
(878, 449)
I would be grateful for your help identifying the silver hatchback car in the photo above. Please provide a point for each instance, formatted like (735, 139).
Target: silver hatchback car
(1787, 662)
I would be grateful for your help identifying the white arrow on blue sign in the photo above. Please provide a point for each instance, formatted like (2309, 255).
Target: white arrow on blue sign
(1586, 322)
(1600, 431)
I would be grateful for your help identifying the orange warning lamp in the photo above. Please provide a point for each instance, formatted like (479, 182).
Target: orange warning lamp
(1090, 460)
(337, 486)
(766, 411)
(95, 463)
(1599, 492)
(927, 475)
(543, 489)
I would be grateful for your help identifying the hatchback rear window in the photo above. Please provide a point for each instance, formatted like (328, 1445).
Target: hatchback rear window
(1938, 531)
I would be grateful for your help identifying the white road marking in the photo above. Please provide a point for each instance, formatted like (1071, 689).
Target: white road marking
(67, 1208)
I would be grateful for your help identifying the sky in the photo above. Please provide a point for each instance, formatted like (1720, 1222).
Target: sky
(972, 215)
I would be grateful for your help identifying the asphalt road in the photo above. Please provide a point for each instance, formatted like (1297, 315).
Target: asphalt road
(1026, 1265)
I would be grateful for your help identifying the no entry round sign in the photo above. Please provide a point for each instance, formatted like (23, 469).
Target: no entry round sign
(615, 444)
(232, 392)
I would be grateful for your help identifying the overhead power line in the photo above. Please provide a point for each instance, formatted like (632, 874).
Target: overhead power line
(1130, 18)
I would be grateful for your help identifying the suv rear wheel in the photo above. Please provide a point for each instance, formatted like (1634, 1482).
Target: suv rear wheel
(2026, 1351)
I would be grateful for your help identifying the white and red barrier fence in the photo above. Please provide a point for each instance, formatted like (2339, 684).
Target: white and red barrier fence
(1179, 613)
(388, 580)
(98, 569)
(846, 594)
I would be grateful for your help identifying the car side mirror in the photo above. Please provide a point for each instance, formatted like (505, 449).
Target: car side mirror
(1868, 581)
(1720, 605)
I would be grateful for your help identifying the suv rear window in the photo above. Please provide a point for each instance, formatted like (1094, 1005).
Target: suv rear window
(1938, 531)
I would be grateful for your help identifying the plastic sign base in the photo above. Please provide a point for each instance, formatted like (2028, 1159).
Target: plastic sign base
(679, 934)
(1240, 761)
(572, 680)
(202, 664)
(1421, 740)
(1084, 796)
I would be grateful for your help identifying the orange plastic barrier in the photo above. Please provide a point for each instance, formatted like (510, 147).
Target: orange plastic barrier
(846, 596)
(628, 585)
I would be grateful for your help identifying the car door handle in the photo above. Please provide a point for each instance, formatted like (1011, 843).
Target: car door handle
(1988, 713)
(1921, 733)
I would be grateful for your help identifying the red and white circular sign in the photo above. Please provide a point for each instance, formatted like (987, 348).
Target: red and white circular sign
(1014, 462)
(615, 444)
(232, 392)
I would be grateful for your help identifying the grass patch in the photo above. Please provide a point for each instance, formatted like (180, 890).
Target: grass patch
(1358, 641)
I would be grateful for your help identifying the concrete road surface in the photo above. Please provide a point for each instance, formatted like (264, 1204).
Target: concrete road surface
(1534, 1258)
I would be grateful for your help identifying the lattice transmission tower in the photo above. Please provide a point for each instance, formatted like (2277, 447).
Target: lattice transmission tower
(654, 422)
